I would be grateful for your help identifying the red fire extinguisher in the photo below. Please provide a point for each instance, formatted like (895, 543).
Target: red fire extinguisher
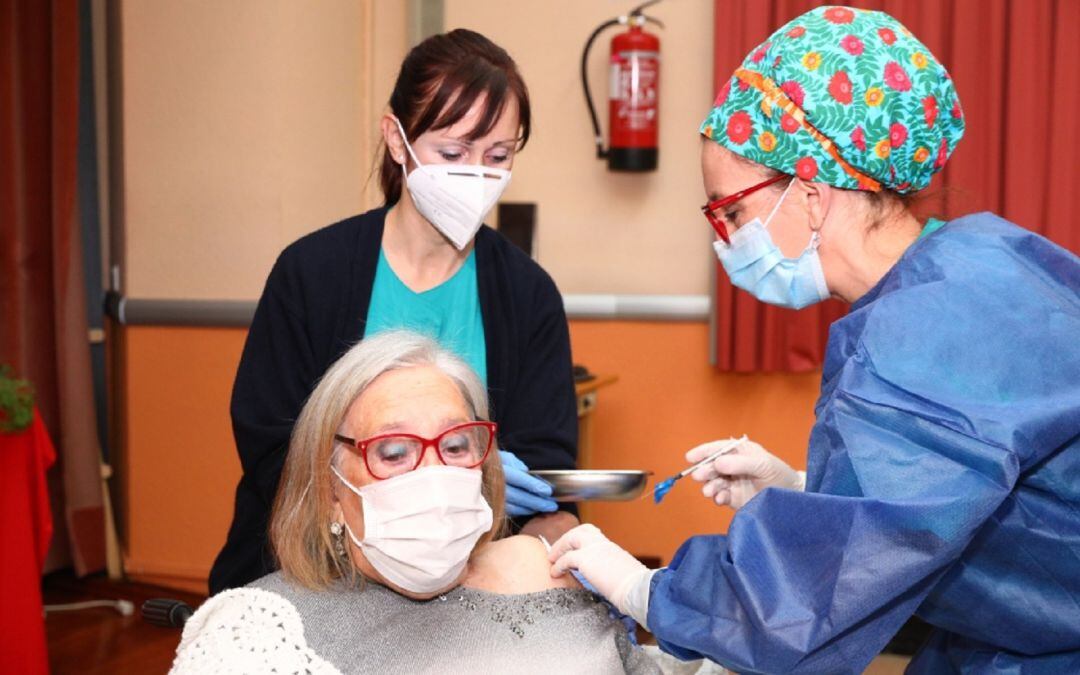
(634, 93)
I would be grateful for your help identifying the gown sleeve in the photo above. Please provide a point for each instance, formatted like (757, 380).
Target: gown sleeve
(539, 422)
(820, 581)
(277, 370)
(276, 373)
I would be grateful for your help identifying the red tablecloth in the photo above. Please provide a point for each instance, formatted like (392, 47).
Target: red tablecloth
(25, 531)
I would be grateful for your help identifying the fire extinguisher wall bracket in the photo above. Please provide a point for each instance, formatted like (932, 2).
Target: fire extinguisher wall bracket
(634, 94)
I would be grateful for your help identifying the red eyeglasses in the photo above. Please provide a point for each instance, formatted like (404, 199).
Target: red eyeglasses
(465, 445)
(714, 210)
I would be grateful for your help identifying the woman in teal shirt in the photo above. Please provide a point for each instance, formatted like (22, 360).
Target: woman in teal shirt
(458, 115)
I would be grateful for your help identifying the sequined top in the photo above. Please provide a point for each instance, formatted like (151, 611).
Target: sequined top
(370, 629)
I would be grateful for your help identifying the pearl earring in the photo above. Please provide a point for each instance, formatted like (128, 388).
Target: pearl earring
(337, 532)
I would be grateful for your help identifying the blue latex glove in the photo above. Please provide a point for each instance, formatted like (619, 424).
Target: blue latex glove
(525, 494)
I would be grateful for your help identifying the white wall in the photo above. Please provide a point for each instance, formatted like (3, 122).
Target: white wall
(604, 232)
(248, 123)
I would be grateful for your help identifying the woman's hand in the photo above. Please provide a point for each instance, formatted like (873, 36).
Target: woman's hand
(525, 494)
(734, 478)
(609, 568)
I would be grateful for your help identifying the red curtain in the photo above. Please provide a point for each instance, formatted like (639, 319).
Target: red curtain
(43, 325)
(1014, 65)
(25, 532)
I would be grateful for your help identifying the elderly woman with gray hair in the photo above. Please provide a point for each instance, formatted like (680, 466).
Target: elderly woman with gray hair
(386, 529)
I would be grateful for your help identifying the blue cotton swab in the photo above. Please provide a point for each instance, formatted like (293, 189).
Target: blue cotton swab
(661, 489)
(664, 487)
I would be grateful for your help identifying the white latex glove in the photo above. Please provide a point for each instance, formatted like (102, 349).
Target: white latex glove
(734, 478)
(609, 568)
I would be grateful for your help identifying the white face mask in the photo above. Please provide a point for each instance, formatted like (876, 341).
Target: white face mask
(420, 527)
(453, 197)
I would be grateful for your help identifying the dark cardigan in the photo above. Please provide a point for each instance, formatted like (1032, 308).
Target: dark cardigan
(314, 308)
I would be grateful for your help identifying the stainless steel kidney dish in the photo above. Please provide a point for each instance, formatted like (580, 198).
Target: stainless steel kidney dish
(583, 485)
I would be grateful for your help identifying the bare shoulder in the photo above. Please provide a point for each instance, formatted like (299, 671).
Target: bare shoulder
(513, 565)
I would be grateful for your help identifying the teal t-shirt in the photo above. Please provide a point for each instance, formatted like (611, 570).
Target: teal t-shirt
(449, 313)
(932, 226)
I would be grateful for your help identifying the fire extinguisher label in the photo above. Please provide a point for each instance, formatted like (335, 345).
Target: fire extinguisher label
(633, 83)
(615, 87)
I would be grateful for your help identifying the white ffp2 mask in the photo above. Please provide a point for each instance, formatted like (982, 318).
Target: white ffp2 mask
(454, 198)
(420, 527)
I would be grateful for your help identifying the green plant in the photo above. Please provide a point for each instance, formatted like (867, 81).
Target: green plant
(16, 402)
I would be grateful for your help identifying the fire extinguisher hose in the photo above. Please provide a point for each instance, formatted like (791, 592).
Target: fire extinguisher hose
(601, 153)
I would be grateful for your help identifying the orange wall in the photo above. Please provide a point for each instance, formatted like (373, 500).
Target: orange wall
(667, 400)
(180, 466)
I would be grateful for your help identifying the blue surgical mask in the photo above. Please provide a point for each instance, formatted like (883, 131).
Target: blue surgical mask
(755, 264)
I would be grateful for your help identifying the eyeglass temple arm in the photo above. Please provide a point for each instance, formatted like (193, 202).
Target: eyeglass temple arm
(718, 203)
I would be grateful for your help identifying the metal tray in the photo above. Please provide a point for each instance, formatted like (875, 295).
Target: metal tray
(583, 485)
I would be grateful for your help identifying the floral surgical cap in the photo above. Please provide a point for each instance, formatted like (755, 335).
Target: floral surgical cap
(841, 96)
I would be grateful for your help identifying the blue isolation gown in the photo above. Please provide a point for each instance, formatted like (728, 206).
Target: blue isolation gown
(943, 481)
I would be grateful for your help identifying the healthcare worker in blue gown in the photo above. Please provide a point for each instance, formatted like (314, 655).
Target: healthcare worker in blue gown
(943, 477)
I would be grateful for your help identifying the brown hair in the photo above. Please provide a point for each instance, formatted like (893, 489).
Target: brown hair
(303, 509)
(440, 80)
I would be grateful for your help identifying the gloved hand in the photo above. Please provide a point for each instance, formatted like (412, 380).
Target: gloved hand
(734, 478)
(610, 569)
(525, 494)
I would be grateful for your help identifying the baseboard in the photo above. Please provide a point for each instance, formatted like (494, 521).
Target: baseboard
(190, 578)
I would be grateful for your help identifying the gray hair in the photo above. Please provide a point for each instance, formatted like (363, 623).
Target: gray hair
(357, 368)
(303, 504)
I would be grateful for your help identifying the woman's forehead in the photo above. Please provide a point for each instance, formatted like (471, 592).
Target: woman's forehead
(407, 398)
(724, 173)
(504, 128)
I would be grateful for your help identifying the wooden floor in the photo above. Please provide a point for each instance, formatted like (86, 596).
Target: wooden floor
(100, 640)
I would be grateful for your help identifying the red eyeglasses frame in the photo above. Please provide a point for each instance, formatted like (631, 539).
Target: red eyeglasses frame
(360, 446)
(719, 204)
